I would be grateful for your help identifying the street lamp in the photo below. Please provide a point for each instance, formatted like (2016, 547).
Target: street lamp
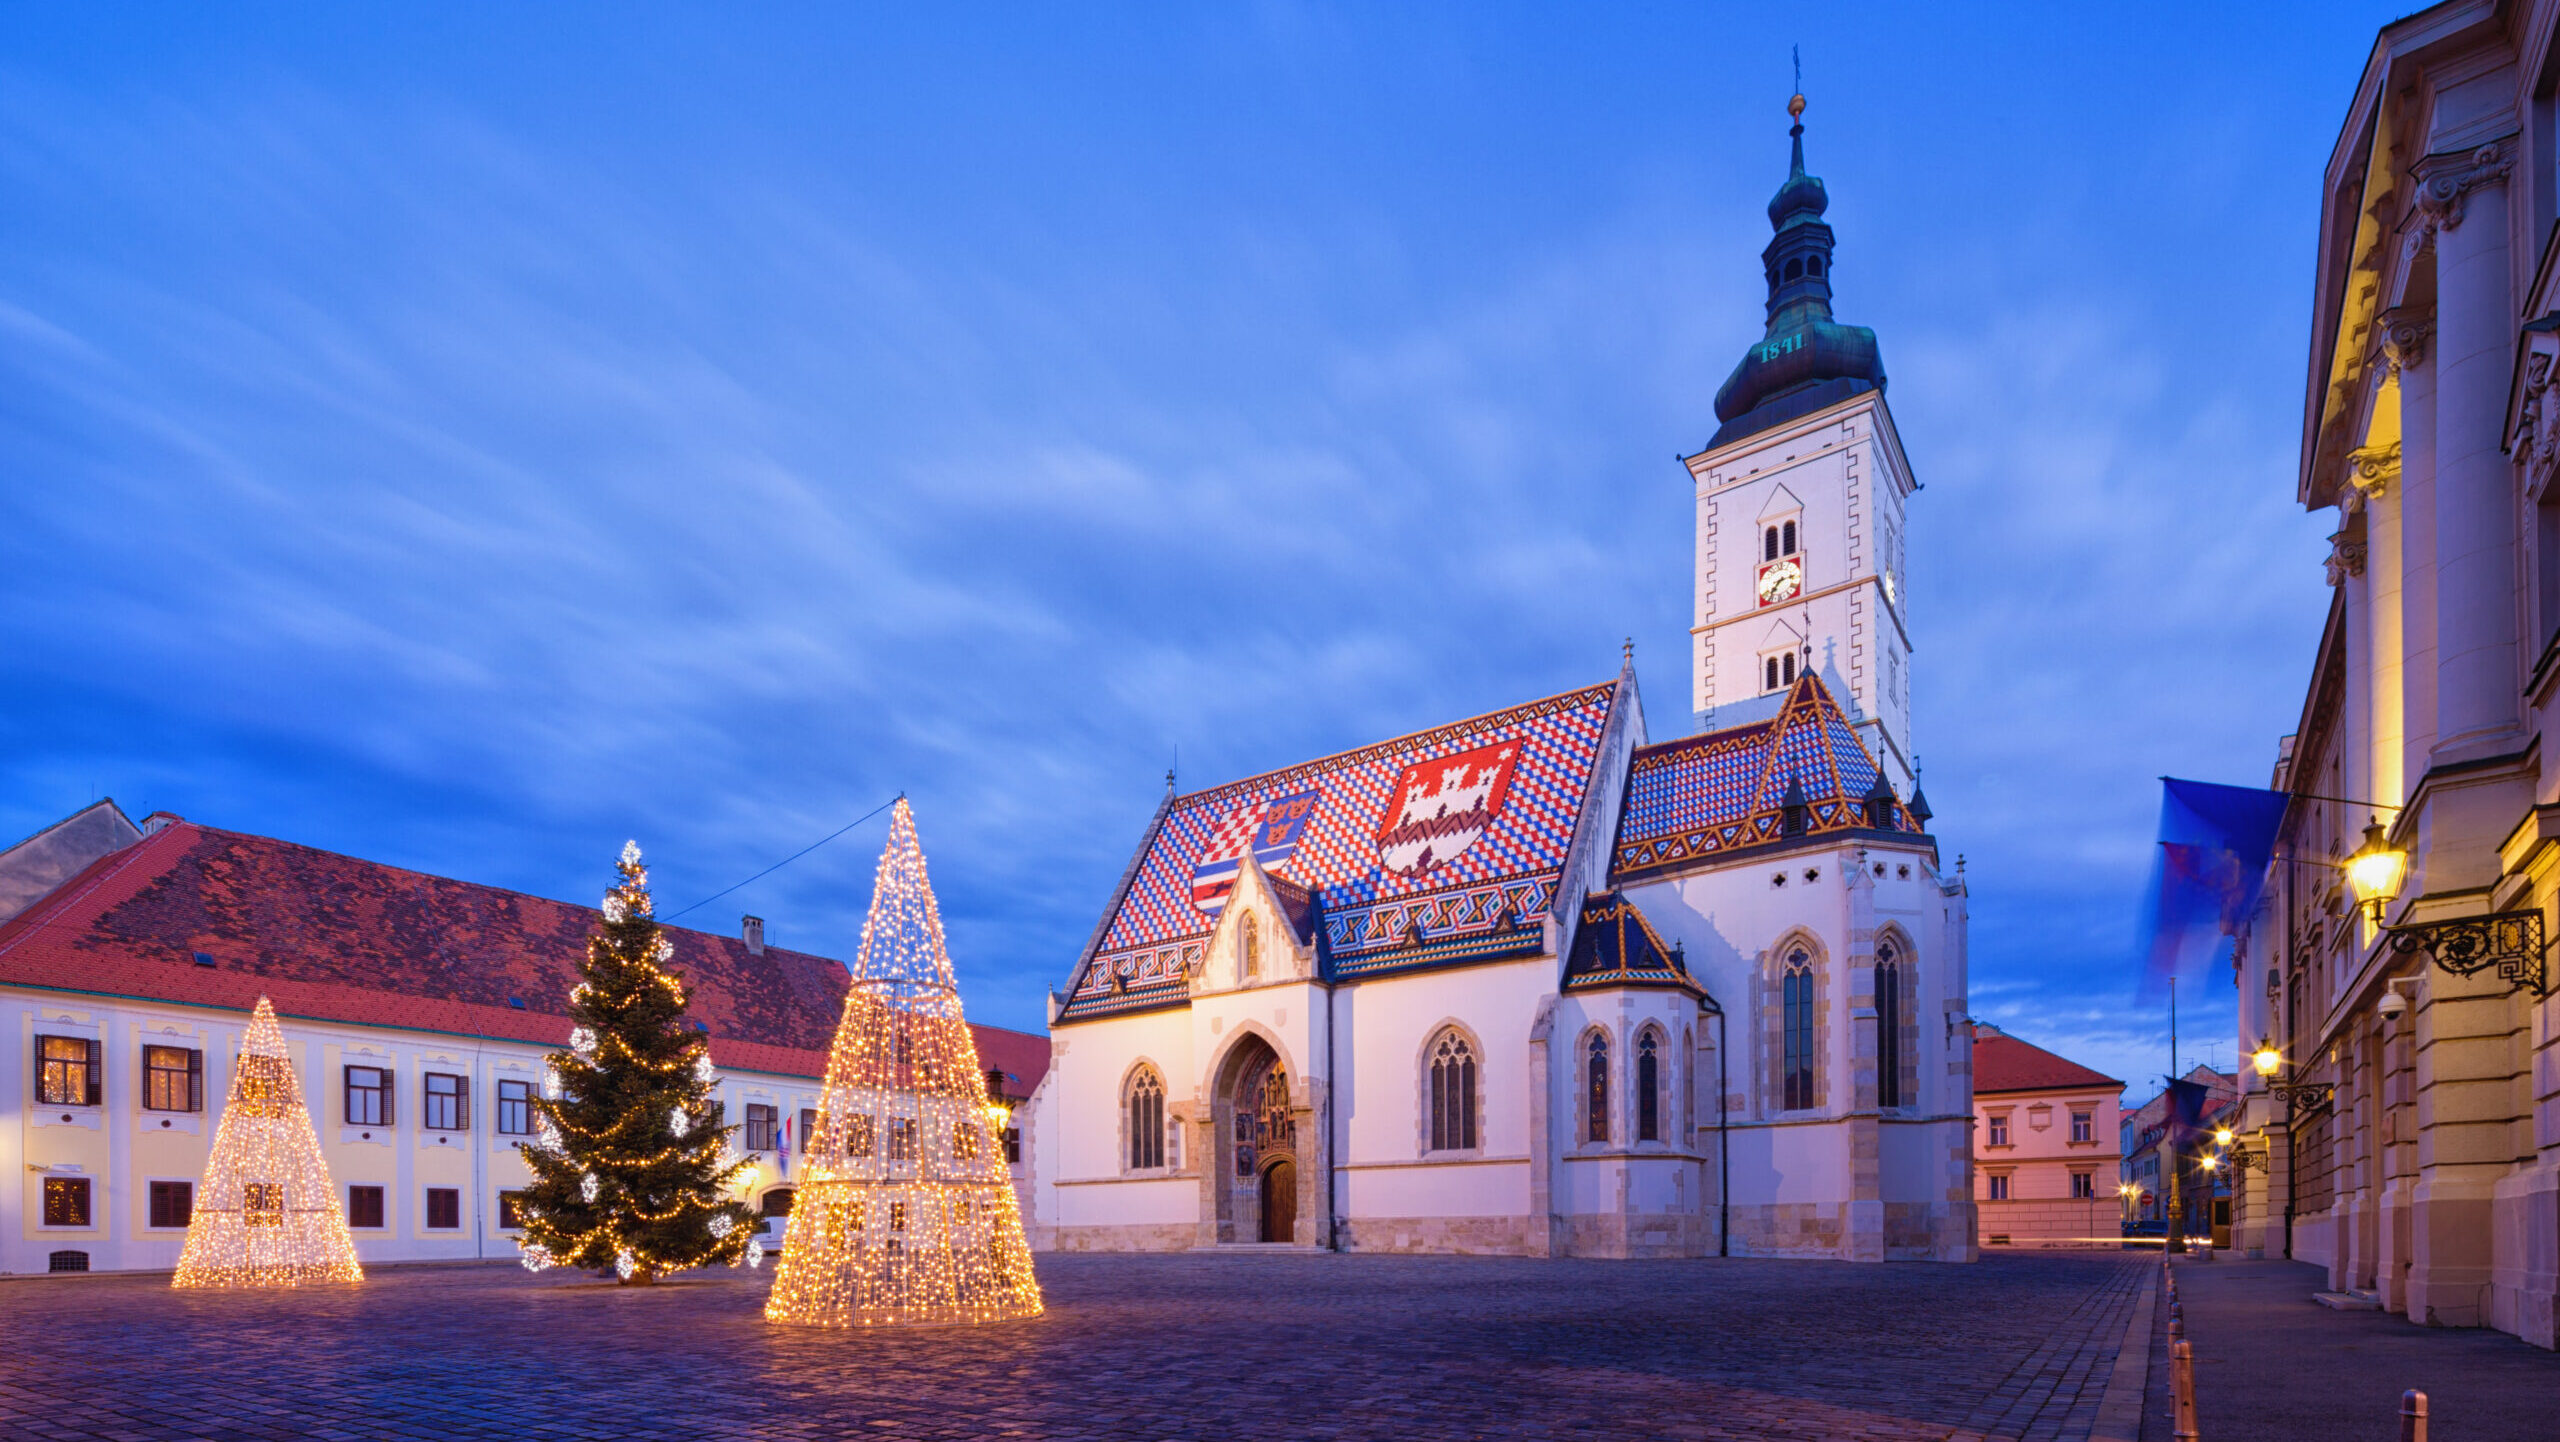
(2511, 941)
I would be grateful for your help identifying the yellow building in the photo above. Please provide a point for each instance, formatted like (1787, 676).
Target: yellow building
(418, 1010)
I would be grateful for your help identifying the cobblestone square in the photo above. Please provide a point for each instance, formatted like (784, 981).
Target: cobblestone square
(1193, 1345)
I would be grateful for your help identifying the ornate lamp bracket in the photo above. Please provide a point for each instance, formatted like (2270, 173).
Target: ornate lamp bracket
(2303, 1098)
(2248, 1161)
(2510, 941)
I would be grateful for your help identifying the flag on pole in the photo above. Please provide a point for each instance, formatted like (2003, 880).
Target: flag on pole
(2215, 845)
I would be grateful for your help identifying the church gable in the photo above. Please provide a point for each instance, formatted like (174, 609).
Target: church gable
(1703, 796)
(1445, 845)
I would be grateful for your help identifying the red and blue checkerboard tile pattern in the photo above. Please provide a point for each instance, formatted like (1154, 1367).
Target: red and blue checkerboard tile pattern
(1498, 887)
(1703, 795)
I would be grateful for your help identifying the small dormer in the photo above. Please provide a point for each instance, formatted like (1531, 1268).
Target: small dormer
(1266, 934)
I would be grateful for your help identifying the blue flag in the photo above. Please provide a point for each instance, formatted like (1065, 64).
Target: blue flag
(2215, 844)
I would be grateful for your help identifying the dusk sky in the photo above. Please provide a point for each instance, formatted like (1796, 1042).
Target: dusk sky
(468, 440)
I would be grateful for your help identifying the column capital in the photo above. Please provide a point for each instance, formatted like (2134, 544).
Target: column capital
(2445, 182)
(2403, 332)
(2372, 469)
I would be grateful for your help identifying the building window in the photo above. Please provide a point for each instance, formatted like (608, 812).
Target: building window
(1648, 1088)
(66, 1071)
(2082, 1128)
(964, 1141)
(444, 1209)
(1999, 1130)
(172, 1079)
(1769, 544)
(364, 1206)
(1599, 1087)
(1453, 1093)
(777, 1203)
(1146, 1120)
(448, 1103)
(1889, 1027)
(1796, 1006)
(1778, 671)
(66, 1201)
(1013, 1146)
(1787, 539)
(808, 1129)
(368, 1096)
(2084, 1186)
(67, 1262)
(510, 1211)
(1999, 1186)
(858, 1136)
(515, 1108)
(760, 1120)
(902, 1139)
(173, 1204)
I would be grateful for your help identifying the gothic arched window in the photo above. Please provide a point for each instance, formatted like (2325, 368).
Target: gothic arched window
(1599, 1083)
(1769, 544)
(1787, 669)
(1453, 1093)
(1648, 1088)
(1772, 665)
(1146, 1120)
(1787, 539)
(1889, 1010)
(1796, 1024)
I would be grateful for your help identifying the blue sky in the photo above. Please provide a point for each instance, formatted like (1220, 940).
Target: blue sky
(466, 437)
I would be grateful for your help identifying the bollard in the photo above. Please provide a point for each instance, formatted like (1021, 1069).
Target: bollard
(2182, 1388)
(2413, 1416)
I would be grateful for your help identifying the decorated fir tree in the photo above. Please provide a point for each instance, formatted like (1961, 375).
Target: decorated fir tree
(267, 1213)
(905, 1213)
(631, 1173)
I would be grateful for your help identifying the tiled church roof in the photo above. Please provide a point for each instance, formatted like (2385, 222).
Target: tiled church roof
(333, 938)
(1475, 816)
(1723, 791)
(1616, 946)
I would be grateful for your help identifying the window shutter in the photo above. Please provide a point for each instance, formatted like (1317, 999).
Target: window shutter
(390, 1093)
(93, 1070)
(461, 1105)
(195, 1081)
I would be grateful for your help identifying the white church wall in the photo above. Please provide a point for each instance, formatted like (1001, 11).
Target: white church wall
(1086, 1197)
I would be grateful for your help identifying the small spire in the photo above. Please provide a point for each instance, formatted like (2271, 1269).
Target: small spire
(1627, 653)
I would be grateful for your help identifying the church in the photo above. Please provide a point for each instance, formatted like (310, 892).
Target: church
(1538, 983)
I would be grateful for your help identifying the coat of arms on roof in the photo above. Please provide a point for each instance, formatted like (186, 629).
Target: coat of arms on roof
(1271, 829)
(1439, 807)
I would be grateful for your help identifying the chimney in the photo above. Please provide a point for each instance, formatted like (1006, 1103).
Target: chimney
(751, 929)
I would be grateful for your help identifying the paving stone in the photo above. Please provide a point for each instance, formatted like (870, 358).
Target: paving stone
(1133, 1347)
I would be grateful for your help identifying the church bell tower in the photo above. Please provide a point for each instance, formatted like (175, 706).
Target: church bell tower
(1800, 497)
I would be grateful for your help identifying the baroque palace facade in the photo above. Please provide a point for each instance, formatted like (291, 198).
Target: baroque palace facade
(419, 1011)
(2408, 1134)
(1533, 982)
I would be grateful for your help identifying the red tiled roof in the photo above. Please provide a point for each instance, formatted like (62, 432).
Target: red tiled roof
(2002, 1063)
(333, 938)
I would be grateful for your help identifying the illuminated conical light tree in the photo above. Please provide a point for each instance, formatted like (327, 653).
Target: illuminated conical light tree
(906, 1213)
(267, 1214)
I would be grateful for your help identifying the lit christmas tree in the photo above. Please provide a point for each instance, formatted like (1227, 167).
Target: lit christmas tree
(267, 1213)
(631, 1173)
(906, 1212)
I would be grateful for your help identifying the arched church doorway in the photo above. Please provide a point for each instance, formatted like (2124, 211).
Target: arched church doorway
(1258, 1135)
(1280, 1201)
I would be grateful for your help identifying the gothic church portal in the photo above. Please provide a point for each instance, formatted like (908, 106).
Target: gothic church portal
(1532, 982)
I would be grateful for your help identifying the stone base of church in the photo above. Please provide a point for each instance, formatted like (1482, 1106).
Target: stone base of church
(1132, 1237)
(1847, 1231)
(1459, 1236)
(1645, 1234)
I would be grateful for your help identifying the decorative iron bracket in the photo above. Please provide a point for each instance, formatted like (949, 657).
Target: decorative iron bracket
(2511, 941)
(2248, 1161)
(2303, 1097)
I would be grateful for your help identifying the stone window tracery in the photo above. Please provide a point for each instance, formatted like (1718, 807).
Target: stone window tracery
(1649, 1087)
(1597, 1069)
(1797, 1005)
(1146, 1120)
(1453, 1092)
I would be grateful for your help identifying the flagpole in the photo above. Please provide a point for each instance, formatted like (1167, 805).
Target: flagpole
(2177, 1239)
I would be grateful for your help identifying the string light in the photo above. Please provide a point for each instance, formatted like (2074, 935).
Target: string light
(905, 1213)
(266, 1214)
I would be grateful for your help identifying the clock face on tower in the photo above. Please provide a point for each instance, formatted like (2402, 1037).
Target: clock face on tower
(1781, 579)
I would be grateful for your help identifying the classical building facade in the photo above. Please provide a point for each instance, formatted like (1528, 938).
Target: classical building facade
(1534, 982)
(2046, 1149)
(2416, 1148)
(419, 1010)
